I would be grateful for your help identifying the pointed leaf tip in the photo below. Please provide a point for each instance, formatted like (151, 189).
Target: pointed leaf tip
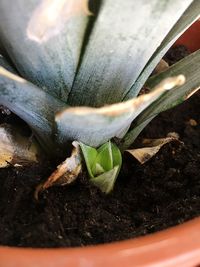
(171, 82)
(103, 165)
(105, 182)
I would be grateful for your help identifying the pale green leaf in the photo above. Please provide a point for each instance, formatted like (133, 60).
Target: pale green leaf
(190, 15)
(104, 157)
(123, 39)
(98, 169)
(32, 104)
(105, 182)
(90, 155)
(103, 164)
(189, 67)
(117, 156)
(108, 157)
(52, 63)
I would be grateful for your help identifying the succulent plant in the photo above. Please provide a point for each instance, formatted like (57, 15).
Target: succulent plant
(65, 67)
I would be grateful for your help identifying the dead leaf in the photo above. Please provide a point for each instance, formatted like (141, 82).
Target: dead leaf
(162, 66)
(66, 172)
(15, 149)
(50, 16)
(152, 146)
(192, 122)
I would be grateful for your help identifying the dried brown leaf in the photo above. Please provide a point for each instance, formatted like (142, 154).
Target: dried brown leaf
(151, 147)
(66, 172)
(162, 66)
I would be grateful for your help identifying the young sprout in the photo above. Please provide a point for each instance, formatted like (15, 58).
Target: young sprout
(103, 165)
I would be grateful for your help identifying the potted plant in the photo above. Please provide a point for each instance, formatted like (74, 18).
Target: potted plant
(99, 66)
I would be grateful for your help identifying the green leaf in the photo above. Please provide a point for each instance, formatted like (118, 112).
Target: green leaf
(189, 16)
(103, 164)
(51, 64)
(90, 155)
(104, 157)
(123, 39)
(95, 126)
(108, 157)
(33, 105)
(117, 156)
(189, 68)
(98, 169)
(105, 182)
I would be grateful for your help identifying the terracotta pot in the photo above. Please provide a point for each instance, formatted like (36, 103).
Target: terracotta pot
(191, 38)
(178, 246)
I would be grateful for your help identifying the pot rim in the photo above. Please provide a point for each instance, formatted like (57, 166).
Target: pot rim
(175, 246)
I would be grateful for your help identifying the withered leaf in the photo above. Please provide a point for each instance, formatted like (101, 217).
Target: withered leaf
(161, 66)
(66, 172)
(151, 147)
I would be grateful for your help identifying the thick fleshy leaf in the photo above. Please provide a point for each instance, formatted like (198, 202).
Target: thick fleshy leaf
(32, 104)
(50, 17)
(95, 126)
(105, 182)
(107, 158)
(90, 155)
(50, 64)
(124, 37)
(104, 157)
(189, 67)
(189, 16)
(103, 165)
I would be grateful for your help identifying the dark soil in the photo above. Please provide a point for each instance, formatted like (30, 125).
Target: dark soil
(147, 198)
(176, 53)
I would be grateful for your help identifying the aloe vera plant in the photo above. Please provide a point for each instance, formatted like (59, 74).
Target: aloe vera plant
(68, 61)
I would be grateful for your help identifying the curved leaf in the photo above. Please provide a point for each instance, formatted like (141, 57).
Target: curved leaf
(105, 182)
(51, 64)
(189, 68)
(95, 126)
(103, 165)
(32, 104)
(124, 37)
(90, 155)
(190, 15)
